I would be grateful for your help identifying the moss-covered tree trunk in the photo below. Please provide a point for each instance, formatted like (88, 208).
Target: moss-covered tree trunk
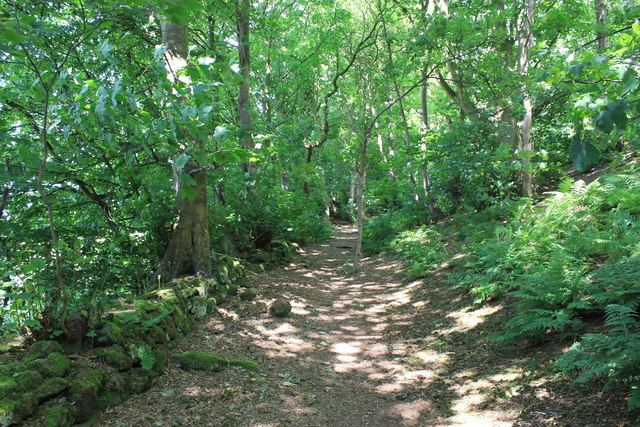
(188, 252)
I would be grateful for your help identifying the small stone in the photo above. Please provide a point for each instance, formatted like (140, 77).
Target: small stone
(248, 294)
(280, 308)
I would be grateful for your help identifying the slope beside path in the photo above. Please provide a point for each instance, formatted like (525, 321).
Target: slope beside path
(372, 349)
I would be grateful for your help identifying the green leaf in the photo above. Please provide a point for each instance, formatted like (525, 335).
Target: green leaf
(629, 81)
(187, 192)
(181, 161)
(8, 34)
(220, 132)
(583, 154)
(613, 114)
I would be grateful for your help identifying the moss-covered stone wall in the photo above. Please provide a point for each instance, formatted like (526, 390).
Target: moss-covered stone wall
(130, 350)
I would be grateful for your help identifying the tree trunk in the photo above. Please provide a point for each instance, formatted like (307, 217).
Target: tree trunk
(244, 106)
(362, 169)
(432, 205)
(188, 251)
(601, 20)
(525, 44)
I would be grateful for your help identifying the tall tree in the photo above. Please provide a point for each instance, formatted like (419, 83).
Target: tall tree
(188, 251)
(243, 9)
(525, 44)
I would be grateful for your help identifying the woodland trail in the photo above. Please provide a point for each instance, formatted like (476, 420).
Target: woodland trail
(373, 349)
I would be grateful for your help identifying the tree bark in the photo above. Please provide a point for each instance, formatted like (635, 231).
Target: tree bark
(244, 106)
(601, 20)
(362, 169)
(188, 252)
(525, 44)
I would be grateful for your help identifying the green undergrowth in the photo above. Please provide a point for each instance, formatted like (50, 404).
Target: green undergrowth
(573, 256)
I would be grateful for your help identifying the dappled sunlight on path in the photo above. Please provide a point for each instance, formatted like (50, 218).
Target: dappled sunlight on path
(368, 349)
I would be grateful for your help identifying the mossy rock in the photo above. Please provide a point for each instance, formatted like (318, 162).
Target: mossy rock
(141, 380)
(109, 334)
(114, 356)
(52, 387)
(95, 375)
(167, 294)
(233, 290)
(55, 365)
(212, 303)
(222, 273)
(210, 362)
(160, 360)
(42, 349)
(249, 294)
(280, 308)
(256, 268)
(83, 395)
(197, 307)
(8, 385)
(14, 410)
(55, 413)
(110, 398)
(27, 379)
(157, 335)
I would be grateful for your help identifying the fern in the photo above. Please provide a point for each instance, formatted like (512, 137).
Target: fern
(614, 356)
(156, 320)
(145, 354)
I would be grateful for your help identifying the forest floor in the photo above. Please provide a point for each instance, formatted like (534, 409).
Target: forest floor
(372, 349)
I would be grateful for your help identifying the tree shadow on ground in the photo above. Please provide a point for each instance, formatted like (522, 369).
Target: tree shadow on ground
(376, 349)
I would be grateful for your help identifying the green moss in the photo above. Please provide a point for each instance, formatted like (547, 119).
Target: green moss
(83, 395)
(110, 398)
(109, 334)
(280, 308)
(56, 413)
(13, 411)
(222, 273)
(42, 349)
(27, 379)
(144, 305)
(233, 289)
(141, 380)
(115, 357)
(211, 304)
(249, 294)
(55, 365)
(51, 388)
(210, 362)
(166, 294)
(256, 268)
(160, 356)
(8, 385)
(96, 376)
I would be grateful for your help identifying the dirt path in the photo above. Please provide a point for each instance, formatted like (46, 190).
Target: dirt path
(374, 349)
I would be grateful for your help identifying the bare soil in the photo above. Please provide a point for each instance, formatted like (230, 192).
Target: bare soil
(372, 349)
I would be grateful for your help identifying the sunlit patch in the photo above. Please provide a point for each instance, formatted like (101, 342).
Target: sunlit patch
(389, 388)
(376, 350)
(411, 412)
(432, 357)
(414, 376)
(467, 320)
(363, 366)
(346, 359)
(346, 348)
(297, 406)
